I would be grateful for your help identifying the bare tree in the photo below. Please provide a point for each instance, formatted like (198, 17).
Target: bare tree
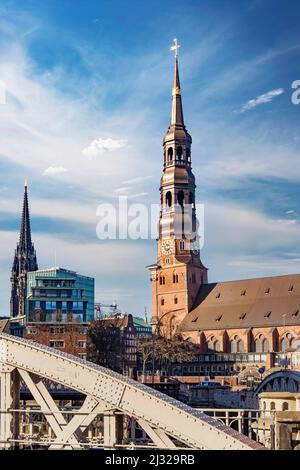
(145, 351)
(105, 345)
(166, 351)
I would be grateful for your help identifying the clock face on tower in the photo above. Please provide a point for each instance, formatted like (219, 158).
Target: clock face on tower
(166, 247)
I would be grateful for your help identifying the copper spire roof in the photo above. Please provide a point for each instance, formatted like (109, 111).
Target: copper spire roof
(177, 112)
(176, 128)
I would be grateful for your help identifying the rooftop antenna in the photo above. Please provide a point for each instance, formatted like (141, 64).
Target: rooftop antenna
(146, 314)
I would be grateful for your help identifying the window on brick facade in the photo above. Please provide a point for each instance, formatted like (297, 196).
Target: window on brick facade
(82, 344)
(56, 343)
(236, 345)
(182, 245)
(175, 300)
(162, 302)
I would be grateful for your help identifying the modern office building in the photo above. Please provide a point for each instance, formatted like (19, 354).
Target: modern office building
(59, 295)
(59, 308)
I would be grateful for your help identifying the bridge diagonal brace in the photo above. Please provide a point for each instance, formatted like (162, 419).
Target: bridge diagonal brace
(157, 435)
(80, 421)
(45, 401)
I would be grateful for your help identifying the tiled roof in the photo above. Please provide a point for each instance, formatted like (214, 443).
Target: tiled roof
(261, 302)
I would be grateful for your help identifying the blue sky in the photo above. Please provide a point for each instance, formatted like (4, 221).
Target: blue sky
(80, 71)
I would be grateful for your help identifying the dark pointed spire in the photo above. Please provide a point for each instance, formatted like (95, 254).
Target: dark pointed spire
(24, 261)
(25, 242)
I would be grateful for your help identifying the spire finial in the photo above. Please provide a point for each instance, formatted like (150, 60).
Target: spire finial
(175, 47)
(25, 183)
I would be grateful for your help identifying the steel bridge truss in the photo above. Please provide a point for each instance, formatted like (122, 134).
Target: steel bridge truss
(116, 402)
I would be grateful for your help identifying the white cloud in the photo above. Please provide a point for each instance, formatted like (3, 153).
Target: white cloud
(54, 170)
(262, 99)
(101, 146)
(122, 190)
(138, 179)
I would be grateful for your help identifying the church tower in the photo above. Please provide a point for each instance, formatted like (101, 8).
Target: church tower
(24, 261)
(178, 273)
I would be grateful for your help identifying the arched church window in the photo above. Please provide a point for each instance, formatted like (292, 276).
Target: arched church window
(284, 344)
(188, 154)
(261, 344)
(179, 152)
(162, 302)
(175, 300)
(182, 244)
(180, 198)
(170, 154)
(285, 406)
(265, 345)
(236, 345)
(169, 199)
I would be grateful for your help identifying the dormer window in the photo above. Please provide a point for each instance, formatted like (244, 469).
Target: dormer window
(267, 315)
(195, 319)
(219, 318)
(295, 314)
(267, 291)
(218, 295)
(291, 288)
(243, 316)
(243, 293)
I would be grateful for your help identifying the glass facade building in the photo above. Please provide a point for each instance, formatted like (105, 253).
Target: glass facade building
(59, 295)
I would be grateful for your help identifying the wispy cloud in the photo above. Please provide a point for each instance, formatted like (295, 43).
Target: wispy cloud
(101, 146)
(54, 171)
(262, 99)
(138, 179)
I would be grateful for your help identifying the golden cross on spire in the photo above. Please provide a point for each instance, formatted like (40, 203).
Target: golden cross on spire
(175, 47)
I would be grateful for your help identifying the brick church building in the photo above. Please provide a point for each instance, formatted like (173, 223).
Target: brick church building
(254, 318)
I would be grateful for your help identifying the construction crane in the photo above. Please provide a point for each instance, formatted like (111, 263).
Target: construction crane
(98, 306)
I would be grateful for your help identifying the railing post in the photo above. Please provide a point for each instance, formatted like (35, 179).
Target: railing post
(9, 399)
(113, 429)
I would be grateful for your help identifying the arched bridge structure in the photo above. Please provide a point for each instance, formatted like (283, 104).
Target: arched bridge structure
(282, 380)
(167, 423)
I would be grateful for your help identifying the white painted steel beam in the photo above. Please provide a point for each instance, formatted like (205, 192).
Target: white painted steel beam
(167, 415)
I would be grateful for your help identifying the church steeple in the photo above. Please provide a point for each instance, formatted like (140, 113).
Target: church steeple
(24, 261)
(179, 272)
(25, 232)
(177, 112)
